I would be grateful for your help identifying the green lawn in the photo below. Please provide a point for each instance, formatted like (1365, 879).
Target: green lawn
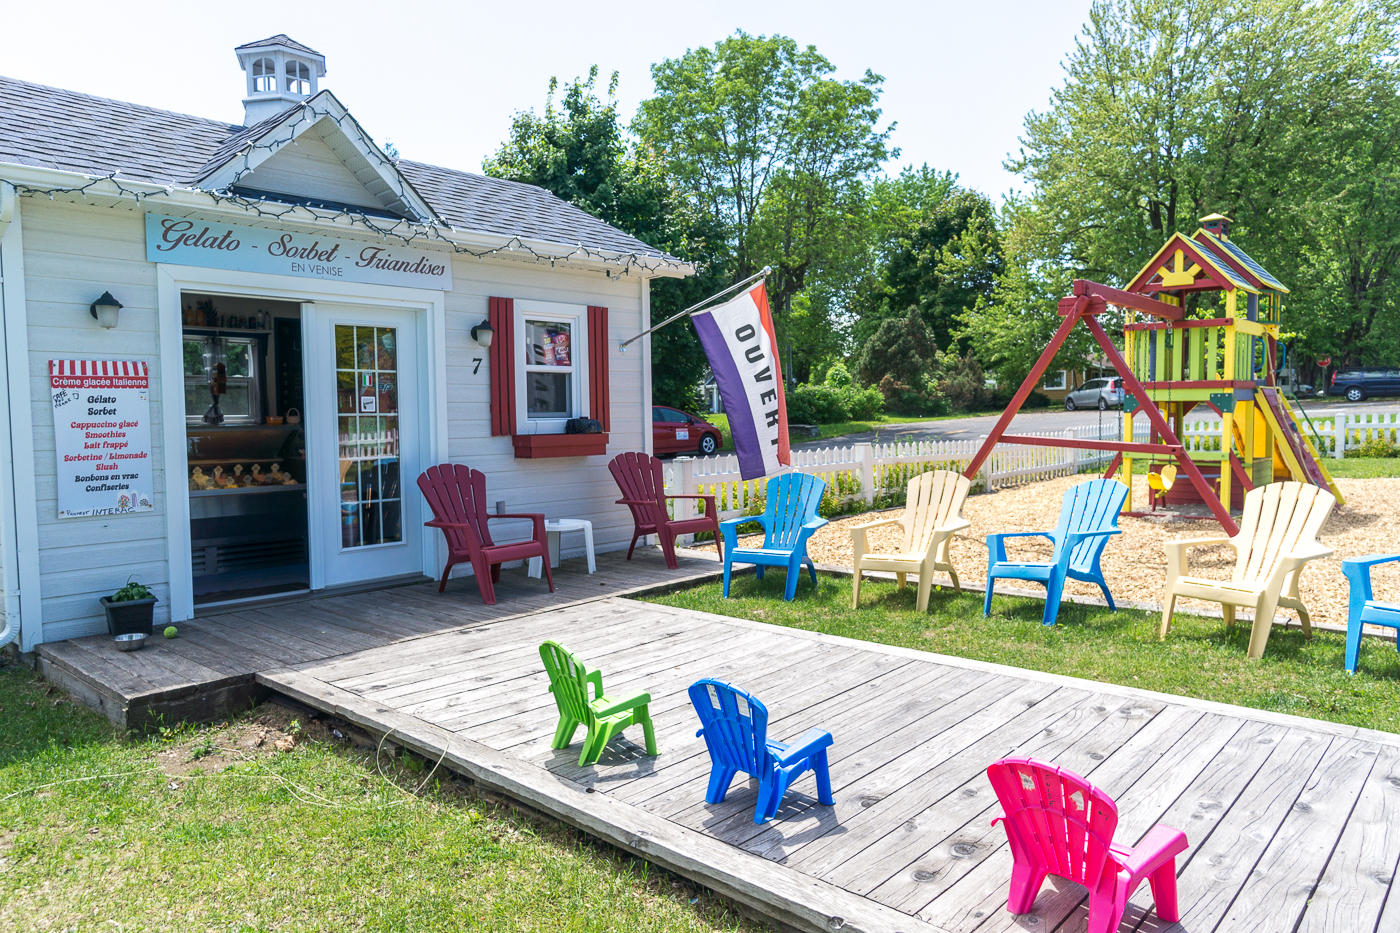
(204, 830)
(1200, 658)
(1363, 467)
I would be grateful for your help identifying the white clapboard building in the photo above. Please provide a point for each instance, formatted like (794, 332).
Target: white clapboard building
(361, 317)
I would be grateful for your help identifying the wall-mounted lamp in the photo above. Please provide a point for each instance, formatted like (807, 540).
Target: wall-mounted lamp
(105, 310)
(482, 333)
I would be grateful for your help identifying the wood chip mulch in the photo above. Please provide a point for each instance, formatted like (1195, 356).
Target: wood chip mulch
(1134, 562)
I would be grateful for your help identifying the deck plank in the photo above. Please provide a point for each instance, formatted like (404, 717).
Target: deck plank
(1352, 891)
(1278, 889)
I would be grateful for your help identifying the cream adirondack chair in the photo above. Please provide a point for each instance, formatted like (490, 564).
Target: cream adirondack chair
(932, 515)
(1278, 535)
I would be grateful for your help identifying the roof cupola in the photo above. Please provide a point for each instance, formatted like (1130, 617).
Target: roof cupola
(279, 72)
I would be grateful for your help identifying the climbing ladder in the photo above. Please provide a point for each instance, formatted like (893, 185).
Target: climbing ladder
(1295, 448)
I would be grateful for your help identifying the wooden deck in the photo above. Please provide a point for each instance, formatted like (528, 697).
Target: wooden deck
(209, 670)
(1294, 824)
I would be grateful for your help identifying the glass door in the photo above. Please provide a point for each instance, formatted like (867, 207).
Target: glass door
(369, 436)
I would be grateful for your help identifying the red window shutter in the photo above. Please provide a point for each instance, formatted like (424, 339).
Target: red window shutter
(501, 314)
(598, 401)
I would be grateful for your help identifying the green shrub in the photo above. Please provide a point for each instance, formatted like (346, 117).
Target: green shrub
(838, 376)
(864, 404)
(904, 399)
(808, 404)
(1375, 448)
(962, 382)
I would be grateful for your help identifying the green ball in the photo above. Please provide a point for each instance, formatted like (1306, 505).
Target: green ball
(171, 631)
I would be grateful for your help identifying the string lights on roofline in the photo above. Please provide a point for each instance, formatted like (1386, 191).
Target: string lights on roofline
(406, 232)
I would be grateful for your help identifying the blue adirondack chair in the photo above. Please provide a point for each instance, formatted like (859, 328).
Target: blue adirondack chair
(735, 726)
(789, 518)
(1088, 517)
(1364, 608)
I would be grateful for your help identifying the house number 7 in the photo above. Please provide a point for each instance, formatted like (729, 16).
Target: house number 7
(477, 368)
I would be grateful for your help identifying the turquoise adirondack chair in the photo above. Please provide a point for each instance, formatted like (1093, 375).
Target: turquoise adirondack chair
(1364, 608)
(604, 716)
(789, 518)
(1088, 518)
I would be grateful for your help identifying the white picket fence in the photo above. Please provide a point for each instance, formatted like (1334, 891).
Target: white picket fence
(875, 471)
(1340, 433)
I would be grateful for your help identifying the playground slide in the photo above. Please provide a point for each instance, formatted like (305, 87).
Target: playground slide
(1297, 449)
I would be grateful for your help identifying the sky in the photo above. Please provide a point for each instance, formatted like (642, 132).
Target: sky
(442, 79)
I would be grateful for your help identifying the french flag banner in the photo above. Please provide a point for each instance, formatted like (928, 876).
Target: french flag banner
(739, 341)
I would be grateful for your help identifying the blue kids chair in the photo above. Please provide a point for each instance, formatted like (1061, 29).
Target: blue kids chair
(1088, 517)
(1363, 608)
(735, 727)
(789, 518)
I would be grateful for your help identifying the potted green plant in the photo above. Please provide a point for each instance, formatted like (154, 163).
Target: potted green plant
(130, 610)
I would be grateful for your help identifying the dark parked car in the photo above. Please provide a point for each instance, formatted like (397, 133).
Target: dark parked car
(1360, 384)
(675, 432)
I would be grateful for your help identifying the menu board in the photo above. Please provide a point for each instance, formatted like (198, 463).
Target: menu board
(102, 436)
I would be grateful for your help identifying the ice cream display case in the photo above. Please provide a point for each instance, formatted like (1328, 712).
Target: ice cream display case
(247, 489)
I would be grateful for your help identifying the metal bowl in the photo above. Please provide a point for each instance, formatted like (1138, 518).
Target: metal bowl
(130, 642)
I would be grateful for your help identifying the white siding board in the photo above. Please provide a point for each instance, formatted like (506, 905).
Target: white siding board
(72, 254)
(308, 168)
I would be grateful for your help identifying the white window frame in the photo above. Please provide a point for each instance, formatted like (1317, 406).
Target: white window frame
(298, 76)
(254, 415)
(264, 74)
(556, 312)
(1063, 382)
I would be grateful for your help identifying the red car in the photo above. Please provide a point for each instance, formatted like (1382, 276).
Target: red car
(675, 432)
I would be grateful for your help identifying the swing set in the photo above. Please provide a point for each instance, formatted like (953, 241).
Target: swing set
(1201, 328)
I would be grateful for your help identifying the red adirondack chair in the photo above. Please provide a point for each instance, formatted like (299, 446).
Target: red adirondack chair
(1059, 824)
(457, 496)
(643, 487)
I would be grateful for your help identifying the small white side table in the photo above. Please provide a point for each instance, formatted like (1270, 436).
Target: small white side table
(553, 529)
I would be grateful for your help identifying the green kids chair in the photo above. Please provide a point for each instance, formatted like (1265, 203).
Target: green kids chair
(604, 716)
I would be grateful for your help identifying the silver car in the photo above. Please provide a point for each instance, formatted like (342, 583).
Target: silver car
(1102, 393)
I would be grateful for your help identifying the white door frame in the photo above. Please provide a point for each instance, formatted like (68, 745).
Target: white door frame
(171, 280)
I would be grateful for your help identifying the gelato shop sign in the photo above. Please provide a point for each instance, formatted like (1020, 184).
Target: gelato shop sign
(102, 436)
(187, 242)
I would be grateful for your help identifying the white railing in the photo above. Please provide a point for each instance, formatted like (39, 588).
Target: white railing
(879, 471)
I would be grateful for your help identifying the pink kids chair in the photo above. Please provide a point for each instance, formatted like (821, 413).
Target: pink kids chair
(1060, 824)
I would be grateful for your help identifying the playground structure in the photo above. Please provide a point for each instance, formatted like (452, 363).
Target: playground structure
(1201, 328)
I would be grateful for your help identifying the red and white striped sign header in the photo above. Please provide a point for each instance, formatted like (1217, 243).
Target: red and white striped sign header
(99, 374)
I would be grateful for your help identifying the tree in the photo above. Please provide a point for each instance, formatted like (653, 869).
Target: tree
(901, 349)
(1280, 113)
(934, 247)
(775, 153)
(579, 151)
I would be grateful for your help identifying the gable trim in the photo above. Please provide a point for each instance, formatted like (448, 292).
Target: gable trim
(1217, 273)
(395, 192)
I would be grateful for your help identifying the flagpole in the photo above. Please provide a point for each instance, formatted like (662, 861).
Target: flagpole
(697, 306)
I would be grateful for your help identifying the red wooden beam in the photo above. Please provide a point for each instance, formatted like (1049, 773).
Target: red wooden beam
(1116, 296)
(1188, 466)
(1067, 305)
(1113, 466)
(1023, 393)
(1125, 447)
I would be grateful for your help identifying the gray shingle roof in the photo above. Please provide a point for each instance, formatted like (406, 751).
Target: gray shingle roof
(52, 128)
(280, 39)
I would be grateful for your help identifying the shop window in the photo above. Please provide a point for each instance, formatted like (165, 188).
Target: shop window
(264, 76)
(549, 363)
(551, 347)
(229, 363)
(298, 78)
(1055, 380)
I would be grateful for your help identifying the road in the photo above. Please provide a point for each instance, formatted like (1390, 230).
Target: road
(1055, 420)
